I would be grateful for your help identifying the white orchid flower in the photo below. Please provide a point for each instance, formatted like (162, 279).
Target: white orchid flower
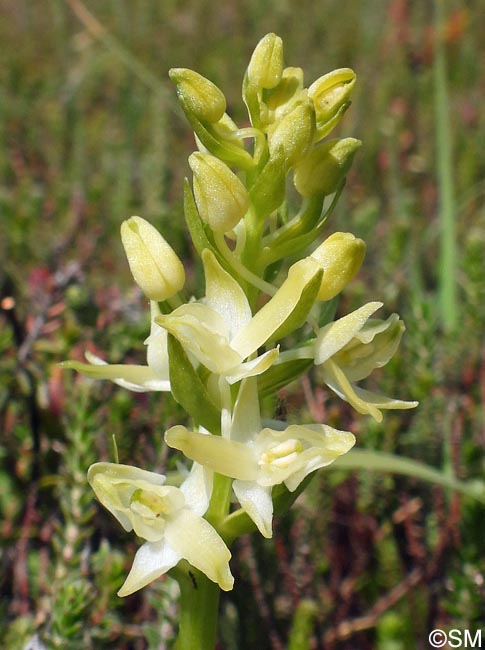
(220, 331)
(350, 348)
(167, 517)
(152, 377)
(259, 459)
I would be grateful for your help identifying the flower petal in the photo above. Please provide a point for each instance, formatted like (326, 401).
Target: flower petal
(114, 484)
(151, 561)
(197, 489)
(246, 420)
(328, 445)
(222, 455)
(254, 367)
(198, 543)
(336, 379)
(224, 295)
(288, 456)
(383, 402)
(157, 353)
(139, 379)
(334, 336)
(256, 501)
(372, 347)
(204, 333)
(282, 306)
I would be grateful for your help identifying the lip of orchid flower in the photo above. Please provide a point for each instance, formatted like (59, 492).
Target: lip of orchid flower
(167, 517)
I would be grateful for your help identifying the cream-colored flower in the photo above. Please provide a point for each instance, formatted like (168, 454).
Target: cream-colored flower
(167, 517)
(260, 458)
(221, 333)
(350, 348)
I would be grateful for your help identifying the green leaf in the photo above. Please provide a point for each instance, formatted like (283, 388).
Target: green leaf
(194, 222)
(189, 390)
(281, 374)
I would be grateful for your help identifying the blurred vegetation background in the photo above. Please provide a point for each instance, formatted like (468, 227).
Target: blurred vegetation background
(92, 134)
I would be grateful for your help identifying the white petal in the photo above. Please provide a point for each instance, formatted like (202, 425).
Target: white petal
(157, 352)
(336, 379)
(289, 456)
(204, 333)
(329, 444)
(246, 420)
(256, 501)
(359, 359)
(151, 561)
(275, 312)
(382, 401)
(334, 336)
(198, 543)
(197, 489)
(254, 367)
(224, 295)
(136, 378)
(222, 455)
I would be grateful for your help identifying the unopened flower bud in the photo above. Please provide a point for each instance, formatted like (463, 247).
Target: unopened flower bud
(156, 268)
(340, 256)
(198, 95)
(266, 65)
(221, 198)
(330, 92)
(321, 171)
(293, 134)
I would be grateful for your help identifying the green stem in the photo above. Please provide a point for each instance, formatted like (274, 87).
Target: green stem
(376, 461)
(449, 309)
(199, 605)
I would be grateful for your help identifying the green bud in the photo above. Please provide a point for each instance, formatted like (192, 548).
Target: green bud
(266, 64)
(156, 268)
(293, 134)
(221, 198)
(331, 92)
(198, 95)
(340, 256)
(321, 171)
